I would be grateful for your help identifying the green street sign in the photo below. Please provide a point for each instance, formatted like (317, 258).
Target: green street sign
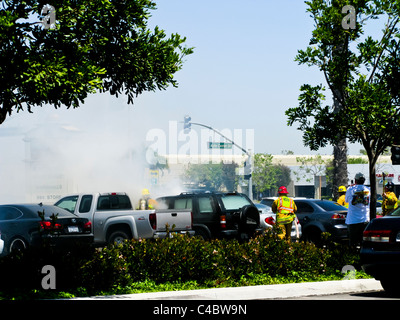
(219, 145)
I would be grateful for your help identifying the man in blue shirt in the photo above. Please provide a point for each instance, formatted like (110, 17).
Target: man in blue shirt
(358, 197)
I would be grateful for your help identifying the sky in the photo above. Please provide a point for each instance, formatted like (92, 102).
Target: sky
(240, 80)
(242, 75)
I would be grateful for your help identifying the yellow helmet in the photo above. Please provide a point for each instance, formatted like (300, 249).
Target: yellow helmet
(145, 192)
(342, 189)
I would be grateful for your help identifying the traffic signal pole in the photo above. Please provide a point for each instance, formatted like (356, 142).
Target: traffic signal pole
(187, 126)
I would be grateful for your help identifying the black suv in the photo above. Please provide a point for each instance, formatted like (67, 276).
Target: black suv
(218, 215)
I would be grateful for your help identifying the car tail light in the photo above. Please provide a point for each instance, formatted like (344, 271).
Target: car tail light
(270, 220)
(338, 216)
(377, 235)
(87, 227)
(47, 225)
(153, 220)
(222, 221)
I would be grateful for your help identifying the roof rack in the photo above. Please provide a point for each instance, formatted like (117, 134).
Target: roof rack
(195, 192)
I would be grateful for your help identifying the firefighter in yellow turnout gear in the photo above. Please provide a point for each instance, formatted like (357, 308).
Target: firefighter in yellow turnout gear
(389, 202)
(285, 209)
(342, 195)
(146, 202)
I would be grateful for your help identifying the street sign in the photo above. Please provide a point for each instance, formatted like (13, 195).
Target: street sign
(219, 145)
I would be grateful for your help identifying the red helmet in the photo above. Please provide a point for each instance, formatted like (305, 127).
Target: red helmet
(283, 190)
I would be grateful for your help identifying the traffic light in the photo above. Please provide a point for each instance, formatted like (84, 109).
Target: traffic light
(395, 154)
(186, 124)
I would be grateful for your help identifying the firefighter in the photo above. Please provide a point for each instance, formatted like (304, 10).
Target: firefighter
(285, 209)
(342, 195)
(145, 202)
(389, 202)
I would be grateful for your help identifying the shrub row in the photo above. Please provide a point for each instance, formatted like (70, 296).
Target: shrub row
(177, 259)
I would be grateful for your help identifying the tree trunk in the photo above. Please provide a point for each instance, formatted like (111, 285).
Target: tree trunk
(372, 180)
(372, 200)
(340, 176)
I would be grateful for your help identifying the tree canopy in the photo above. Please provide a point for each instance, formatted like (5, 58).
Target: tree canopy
(362, 73)
(268, 177)
(211, 176)
(96, 45)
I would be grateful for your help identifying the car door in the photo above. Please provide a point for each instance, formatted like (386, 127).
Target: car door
(304, 212)
(206, 212)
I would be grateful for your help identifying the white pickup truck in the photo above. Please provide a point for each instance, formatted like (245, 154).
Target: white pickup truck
(114, 220)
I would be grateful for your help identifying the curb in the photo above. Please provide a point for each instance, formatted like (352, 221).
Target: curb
(263, 292)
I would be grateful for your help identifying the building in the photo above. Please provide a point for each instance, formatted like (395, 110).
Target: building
(305, 183)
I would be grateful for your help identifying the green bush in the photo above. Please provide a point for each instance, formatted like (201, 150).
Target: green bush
(192, 259)
(178, 260)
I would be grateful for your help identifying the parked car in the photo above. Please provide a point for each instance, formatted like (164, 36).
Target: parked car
(268, 219)
(115, 220)
(217, 214)
(380, 251)
(318, 216)
(268, 201)
(21, 226)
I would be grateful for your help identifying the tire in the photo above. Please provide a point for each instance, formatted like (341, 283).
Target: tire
(249, 220)
(202, 234)
(118, 237)
(17, 244)
(314, 236)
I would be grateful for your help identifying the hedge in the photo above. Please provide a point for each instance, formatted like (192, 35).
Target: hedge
(176, 259)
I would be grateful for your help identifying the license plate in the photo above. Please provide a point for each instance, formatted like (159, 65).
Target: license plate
(72, 229)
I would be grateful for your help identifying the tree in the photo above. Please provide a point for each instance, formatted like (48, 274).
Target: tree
(362, 74)
(309, 169)
(212, 176)
(96, 45)
(269, 177)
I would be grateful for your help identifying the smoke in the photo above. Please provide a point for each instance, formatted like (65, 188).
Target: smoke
(99, 147)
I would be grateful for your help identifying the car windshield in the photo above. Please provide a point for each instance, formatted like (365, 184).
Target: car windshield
(67, 203)
(330, 206)
(234, 201)
(60, 212)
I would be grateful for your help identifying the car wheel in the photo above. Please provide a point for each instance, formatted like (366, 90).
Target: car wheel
(118, 237)
(202, 234)
(313, 236)
(17, 244)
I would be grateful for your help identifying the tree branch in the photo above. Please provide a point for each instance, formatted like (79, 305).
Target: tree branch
(387, 33)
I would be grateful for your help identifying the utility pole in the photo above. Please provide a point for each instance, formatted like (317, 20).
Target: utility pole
(187, 127)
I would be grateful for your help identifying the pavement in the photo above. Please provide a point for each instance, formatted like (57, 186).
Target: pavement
(264, 292)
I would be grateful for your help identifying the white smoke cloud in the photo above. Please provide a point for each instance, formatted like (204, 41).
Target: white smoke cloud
(100, 147)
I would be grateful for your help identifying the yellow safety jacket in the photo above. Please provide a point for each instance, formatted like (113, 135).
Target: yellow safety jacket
(389, 203)
(342, 202)
(285, 208)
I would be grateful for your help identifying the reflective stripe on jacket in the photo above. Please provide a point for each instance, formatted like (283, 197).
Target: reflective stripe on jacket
(285, 212)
